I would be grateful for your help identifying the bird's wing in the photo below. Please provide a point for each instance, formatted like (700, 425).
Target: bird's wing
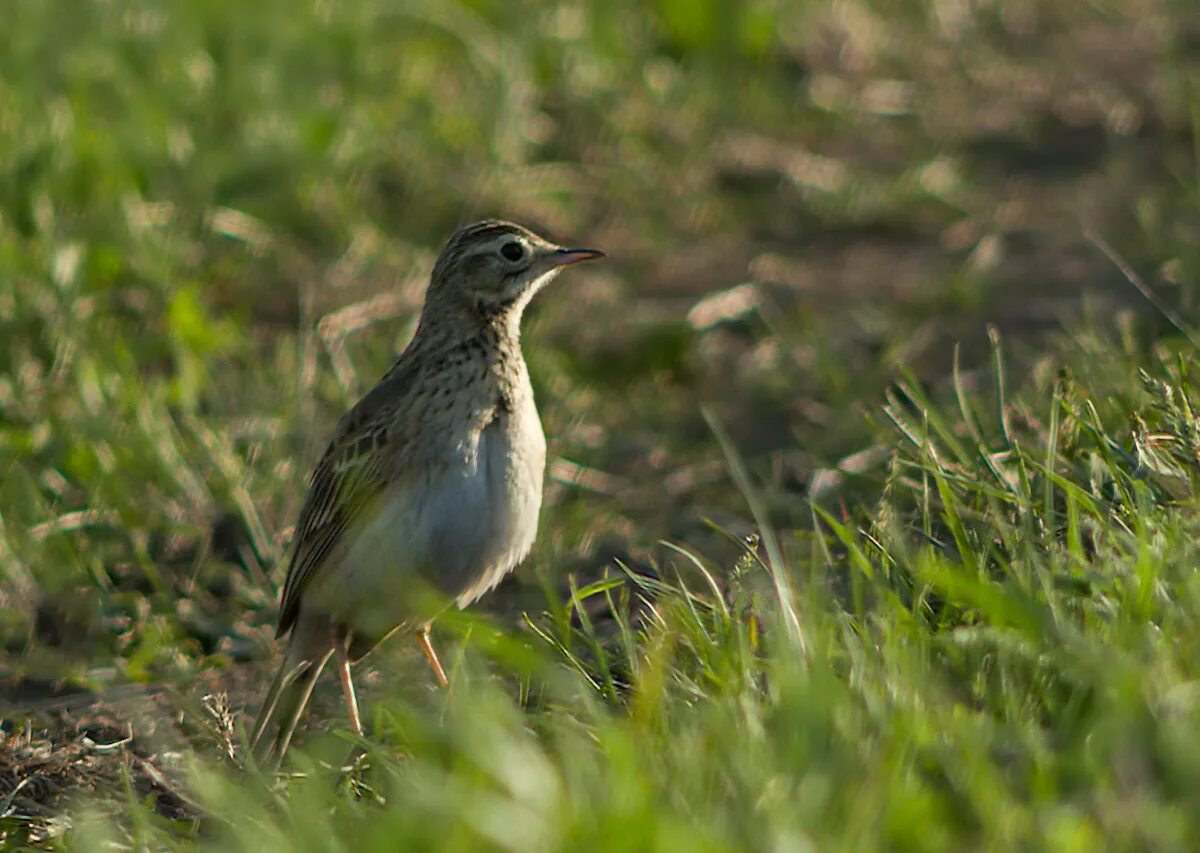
(347, 480)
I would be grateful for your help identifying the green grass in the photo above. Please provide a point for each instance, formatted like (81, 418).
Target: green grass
(823, 562)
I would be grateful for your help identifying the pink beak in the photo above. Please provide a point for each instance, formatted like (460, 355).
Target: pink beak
(565, 257)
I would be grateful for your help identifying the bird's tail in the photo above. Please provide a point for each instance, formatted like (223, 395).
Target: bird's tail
(282, 708)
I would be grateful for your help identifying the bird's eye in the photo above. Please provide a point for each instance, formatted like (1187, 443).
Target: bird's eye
(512, 251)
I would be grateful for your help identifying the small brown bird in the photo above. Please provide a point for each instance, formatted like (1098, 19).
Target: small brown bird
(429, 491)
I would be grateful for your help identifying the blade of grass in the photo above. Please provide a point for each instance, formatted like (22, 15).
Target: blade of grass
(783, 585)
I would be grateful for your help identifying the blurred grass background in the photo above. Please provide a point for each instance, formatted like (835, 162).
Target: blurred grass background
(216, 221)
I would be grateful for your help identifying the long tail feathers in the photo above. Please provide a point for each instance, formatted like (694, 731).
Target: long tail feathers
(282, 708)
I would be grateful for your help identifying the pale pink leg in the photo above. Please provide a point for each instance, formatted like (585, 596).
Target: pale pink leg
(431, 656)
(343, 661)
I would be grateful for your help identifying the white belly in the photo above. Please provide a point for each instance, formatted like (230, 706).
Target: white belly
(459, 531)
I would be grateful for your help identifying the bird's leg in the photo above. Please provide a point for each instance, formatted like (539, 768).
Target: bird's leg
(431, 656)
(340, 644)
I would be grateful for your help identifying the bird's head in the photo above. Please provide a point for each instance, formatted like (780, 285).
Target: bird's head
(492, 269)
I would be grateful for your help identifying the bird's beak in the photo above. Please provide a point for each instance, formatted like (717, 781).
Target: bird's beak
(566, 257)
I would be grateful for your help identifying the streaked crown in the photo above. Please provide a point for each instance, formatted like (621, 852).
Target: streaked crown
(494, 267)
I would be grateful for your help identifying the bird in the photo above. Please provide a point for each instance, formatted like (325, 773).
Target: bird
(429, 490)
